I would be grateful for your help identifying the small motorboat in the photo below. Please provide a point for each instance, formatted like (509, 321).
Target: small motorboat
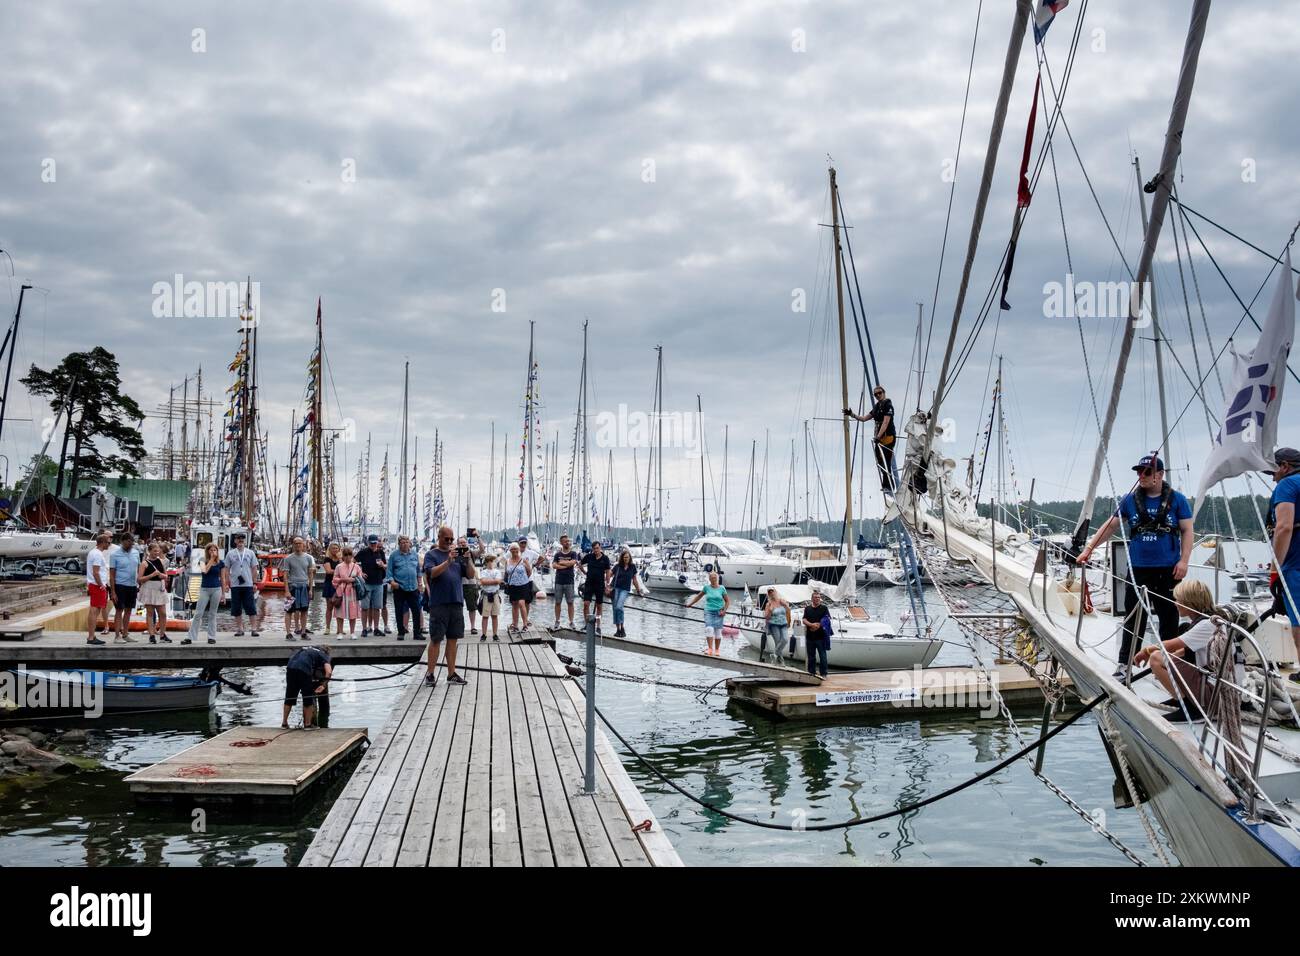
(272, 573)
(119, 692)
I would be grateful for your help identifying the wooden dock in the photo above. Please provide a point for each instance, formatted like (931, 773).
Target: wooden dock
(941, 691)
(490, 774)
(68, 649)
(736, 665)
(261, 763)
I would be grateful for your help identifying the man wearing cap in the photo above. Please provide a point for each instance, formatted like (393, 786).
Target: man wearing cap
(242, 564)
(374, 567)
(883, 435)
(1158, 524)
(1286, 544)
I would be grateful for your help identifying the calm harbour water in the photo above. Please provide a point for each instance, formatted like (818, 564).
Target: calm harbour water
(738, 759)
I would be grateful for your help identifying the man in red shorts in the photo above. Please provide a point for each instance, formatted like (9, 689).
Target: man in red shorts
(96, 585)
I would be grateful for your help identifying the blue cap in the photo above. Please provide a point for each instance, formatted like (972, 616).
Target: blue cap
(1149, 461)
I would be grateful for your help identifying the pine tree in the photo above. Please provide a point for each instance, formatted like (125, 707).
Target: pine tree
(87, 388)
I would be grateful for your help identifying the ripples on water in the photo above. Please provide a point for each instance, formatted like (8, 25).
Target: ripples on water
(740, 760)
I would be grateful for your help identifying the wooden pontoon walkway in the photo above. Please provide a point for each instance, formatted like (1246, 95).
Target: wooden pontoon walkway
(489, 774)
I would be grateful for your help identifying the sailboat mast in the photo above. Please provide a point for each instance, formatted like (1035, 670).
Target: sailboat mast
(704, 518)
(659, 439)
(1162, 184)
(1023, 9)
(844, 372)
(529, 474)
(316, 444)
(1155, 326)
(402, 525)
(722, 519)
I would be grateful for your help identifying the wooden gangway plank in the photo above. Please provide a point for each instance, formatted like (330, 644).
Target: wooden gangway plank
(489, 773)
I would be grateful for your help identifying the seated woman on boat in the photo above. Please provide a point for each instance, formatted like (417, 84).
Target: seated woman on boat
(1185, 652)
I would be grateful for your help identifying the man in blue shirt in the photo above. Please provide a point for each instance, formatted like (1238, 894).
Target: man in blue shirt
(407, 584)
(446, 567)
(1158, 525)
(123, 567)
(1286, 544)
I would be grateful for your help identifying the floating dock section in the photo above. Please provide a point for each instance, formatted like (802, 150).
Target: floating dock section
(909, 693)
(257, 763)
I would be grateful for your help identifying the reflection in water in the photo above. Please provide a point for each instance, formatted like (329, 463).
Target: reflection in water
(743, 760)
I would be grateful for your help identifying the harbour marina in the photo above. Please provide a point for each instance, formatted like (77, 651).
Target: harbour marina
(800, 497)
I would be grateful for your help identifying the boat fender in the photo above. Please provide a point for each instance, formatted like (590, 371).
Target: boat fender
(681, 579)
(730, 630)
(708, 568)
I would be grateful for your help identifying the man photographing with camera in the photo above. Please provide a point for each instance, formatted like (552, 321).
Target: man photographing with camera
(446, 568)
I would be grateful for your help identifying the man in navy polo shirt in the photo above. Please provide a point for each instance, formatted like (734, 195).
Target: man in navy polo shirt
(445, 568)
(1286, 544)
(1158, 525)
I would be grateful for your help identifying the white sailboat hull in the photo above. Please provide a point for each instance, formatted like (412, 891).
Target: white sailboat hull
(1204, 820)
(25, 544)
(871, 651)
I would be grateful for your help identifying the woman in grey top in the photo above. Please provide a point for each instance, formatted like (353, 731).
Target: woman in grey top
(777, 614)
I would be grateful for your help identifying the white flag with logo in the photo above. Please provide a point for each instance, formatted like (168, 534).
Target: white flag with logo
(1248, 426)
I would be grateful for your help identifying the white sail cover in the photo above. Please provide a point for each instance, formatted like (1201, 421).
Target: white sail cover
(1248, 426)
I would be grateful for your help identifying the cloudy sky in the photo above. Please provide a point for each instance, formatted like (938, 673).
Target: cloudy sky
(657, 169)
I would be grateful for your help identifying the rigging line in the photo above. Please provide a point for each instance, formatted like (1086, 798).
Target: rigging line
(947, 221)
(1191, 332)
(1196, 387)
(1247, 315)
(1200, 303)
(968, 345)
(1222, 228)
(1069, 264)
(860, 821)
(848, 243)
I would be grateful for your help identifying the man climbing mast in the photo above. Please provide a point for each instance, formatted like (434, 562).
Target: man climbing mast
(884, 436)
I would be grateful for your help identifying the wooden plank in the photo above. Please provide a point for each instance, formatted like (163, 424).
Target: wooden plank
(507, 845)
(733, 664)
(533, 834)
(418, 837)
(476, 831)
(251, 761)
(393, 821)
(627, 850)
(68, 649)
(326, 842)
(355, 844)
(560, 823)
(448, 825)
(654, 841)
(930, 691)
(595, 841)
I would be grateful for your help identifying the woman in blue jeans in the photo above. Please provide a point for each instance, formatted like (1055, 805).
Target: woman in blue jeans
(777, 614)
(624, 582)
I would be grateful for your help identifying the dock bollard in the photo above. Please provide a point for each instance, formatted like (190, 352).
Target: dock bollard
(589, 782)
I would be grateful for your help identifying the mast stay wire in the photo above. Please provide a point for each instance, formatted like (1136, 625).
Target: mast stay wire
(990, 296)
(947, 222)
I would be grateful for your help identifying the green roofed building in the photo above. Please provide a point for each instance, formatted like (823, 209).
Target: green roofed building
(167, 500)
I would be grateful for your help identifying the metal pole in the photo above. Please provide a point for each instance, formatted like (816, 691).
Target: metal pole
(11, 343)
(589, 781)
